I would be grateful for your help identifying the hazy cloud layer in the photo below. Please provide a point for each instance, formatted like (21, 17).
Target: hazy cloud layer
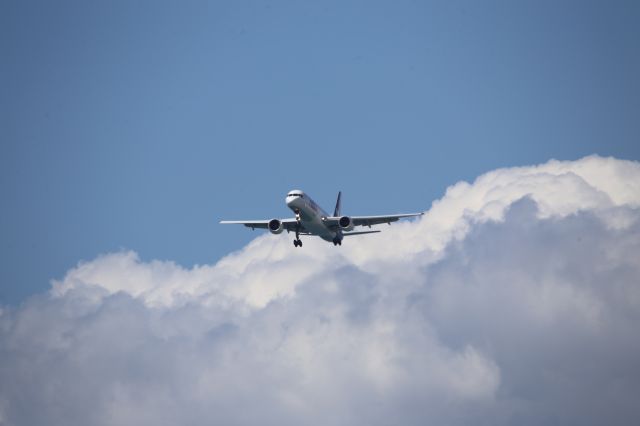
(514, 300)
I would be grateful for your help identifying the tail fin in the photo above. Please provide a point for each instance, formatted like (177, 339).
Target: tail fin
(336, 212)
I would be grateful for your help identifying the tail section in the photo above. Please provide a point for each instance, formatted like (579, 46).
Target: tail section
(336, 212)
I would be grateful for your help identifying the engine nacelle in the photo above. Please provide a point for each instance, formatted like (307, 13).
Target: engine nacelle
(275, 226)
(346, 223)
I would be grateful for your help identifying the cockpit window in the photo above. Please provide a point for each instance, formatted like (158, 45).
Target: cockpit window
(295, 195)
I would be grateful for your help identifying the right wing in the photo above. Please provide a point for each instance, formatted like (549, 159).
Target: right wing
(287, 224)
(375, 220)
(333, 221)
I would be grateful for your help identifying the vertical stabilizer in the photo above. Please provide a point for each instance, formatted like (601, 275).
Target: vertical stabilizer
(336, 212)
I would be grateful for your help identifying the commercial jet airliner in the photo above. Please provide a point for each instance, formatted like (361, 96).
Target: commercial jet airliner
(310, 219)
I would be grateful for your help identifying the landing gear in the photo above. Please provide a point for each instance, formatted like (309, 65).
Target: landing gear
(337, 242)
(297, 242)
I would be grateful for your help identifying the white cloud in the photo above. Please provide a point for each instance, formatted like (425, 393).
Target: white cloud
(515, 299)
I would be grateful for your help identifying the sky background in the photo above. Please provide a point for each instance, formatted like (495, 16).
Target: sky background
(139, 125)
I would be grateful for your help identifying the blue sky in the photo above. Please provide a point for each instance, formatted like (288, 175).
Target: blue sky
(139, 125)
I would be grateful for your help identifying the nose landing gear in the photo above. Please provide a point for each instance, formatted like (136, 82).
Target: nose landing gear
(297, 242)
(337, 242)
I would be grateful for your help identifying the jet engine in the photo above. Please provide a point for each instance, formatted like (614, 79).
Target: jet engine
(346, 223)
(275, 226)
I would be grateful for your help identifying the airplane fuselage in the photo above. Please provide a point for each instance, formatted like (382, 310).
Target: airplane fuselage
(311, 215)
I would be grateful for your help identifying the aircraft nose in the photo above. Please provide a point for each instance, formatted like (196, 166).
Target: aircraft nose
(291, 201)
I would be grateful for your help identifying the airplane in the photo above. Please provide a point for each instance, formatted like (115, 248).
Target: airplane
(310, 219)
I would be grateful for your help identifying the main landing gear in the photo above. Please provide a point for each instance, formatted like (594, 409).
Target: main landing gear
(337, 242)
(297, 242)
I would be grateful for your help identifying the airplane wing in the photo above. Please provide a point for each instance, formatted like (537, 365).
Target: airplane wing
(287, 224)
(369, 220)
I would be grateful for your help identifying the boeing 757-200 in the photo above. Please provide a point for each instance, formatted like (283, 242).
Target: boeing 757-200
(310, 219)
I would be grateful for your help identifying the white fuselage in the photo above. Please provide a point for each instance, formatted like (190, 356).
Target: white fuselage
(311, 214)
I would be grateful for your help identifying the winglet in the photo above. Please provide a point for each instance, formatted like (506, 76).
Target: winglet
(336, 211)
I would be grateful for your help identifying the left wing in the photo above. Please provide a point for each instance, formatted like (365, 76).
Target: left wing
(369, 220)
(287, 224)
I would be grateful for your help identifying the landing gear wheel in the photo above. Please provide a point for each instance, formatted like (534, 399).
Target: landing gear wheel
(297, 242)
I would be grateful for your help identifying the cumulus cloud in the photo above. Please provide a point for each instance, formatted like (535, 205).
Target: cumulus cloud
(514, 300)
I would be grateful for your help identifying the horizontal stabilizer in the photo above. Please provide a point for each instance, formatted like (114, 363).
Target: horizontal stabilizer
(346, 234)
